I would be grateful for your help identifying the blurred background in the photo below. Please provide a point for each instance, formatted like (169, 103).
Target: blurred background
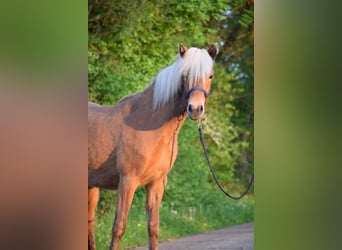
(44, 53)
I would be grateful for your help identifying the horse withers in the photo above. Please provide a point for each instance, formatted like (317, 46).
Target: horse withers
(134, 143)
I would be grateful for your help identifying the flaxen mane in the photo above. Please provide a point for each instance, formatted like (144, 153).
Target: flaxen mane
(195, 65)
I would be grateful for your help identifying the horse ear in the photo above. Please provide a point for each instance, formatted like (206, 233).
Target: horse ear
(213, 51)
(182, 49)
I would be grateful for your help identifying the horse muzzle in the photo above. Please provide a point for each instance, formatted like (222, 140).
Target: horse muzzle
(195, 112)
(196, 103)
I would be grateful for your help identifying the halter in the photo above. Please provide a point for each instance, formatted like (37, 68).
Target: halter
(187, 94)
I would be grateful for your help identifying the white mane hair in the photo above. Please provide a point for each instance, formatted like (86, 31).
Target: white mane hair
(195, 65)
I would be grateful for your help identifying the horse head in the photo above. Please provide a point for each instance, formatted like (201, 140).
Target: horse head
(197, 72)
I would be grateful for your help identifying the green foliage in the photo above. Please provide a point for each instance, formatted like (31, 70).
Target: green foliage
(130, 48)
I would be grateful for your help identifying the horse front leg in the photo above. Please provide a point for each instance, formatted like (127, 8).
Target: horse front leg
(126, 191)
(93, 198)
(154, 196)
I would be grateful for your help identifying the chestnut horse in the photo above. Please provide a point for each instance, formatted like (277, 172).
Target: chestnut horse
(134, 143)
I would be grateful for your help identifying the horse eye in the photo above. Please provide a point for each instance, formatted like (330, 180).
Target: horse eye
(211, 76)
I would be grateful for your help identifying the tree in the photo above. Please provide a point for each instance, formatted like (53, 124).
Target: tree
(236, 31)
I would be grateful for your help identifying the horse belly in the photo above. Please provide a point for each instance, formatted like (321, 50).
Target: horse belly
(102, 169)
(105, 177)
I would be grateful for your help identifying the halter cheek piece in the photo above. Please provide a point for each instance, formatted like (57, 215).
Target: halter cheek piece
(187, 94)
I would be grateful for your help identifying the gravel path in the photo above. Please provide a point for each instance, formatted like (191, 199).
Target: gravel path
(239, 237)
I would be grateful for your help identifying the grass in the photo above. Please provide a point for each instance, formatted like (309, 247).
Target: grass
(176, 220)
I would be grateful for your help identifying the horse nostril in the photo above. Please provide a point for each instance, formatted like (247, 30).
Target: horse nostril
(189, 108)
(201, 109)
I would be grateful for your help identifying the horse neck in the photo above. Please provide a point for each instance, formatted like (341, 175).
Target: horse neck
(165, 118)
(175, 119)
(172, 123)
(174, 109)
(138, 112)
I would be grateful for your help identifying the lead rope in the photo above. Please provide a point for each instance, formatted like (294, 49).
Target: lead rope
(213, 173)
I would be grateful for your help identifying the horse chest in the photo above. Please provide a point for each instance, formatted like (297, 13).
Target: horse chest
(162, 159)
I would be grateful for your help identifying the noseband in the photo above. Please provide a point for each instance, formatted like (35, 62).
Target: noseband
(187, 94)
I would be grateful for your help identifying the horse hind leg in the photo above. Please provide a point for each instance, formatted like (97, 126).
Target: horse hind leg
(93, 198)
(126, 190)
(154, 196)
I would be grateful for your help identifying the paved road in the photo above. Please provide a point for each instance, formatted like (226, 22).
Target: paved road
(239, 237)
